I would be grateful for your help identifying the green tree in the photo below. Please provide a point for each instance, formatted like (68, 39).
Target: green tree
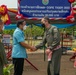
(34, 31)
(10, 32)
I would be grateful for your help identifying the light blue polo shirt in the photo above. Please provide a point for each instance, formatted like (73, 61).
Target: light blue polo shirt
(18, 51)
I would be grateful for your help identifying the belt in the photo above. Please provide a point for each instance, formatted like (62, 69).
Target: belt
(59, 46)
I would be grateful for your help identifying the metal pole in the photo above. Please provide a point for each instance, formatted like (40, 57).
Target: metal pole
(44, 47)
(62, 42)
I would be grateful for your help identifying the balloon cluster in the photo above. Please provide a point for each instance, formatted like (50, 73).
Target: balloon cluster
(71, 18)
(4, 14)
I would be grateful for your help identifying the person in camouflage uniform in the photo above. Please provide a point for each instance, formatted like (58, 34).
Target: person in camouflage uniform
(52, 38)
(3, 59)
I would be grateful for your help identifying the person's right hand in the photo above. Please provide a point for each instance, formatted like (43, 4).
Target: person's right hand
(33, 48)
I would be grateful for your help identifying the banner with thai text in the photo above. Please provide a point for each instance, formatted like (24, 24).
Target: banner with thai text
(41, 8)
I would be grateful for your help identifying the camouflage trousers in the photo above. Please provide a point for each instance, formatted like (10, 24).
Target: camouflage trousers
(3, 59)
(54, 65)
(1, 68)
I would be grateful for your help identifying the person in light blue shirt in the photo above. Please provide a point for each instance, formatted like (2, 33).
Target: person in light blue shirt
(19, 47)
(18, 50)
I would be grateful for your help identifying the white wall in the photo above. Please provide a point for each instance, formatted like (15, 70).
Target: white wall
(9, 3)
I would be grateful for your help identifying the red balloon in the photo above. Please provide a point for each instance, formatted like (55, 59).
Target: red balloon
(71, 1)
(70, 19)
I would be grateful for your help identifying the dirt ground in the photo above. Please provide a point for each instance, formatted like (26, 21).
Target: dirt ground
(38, 60)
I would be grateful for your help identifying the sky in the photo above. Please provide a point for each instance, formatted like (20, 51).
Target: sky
(9, 3)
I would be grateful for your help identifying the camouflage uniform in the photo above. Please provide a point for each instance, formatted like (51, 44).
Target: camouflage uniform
(3, 59)
(52, 38)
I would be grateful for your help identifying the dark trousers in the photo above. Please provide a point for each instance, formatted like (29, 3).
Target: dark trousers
(18, 65)
(54, 64)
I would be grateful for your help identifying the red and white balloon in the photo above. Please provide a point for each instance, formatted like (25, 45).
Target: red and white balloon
(19, 16)
(70, 19)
